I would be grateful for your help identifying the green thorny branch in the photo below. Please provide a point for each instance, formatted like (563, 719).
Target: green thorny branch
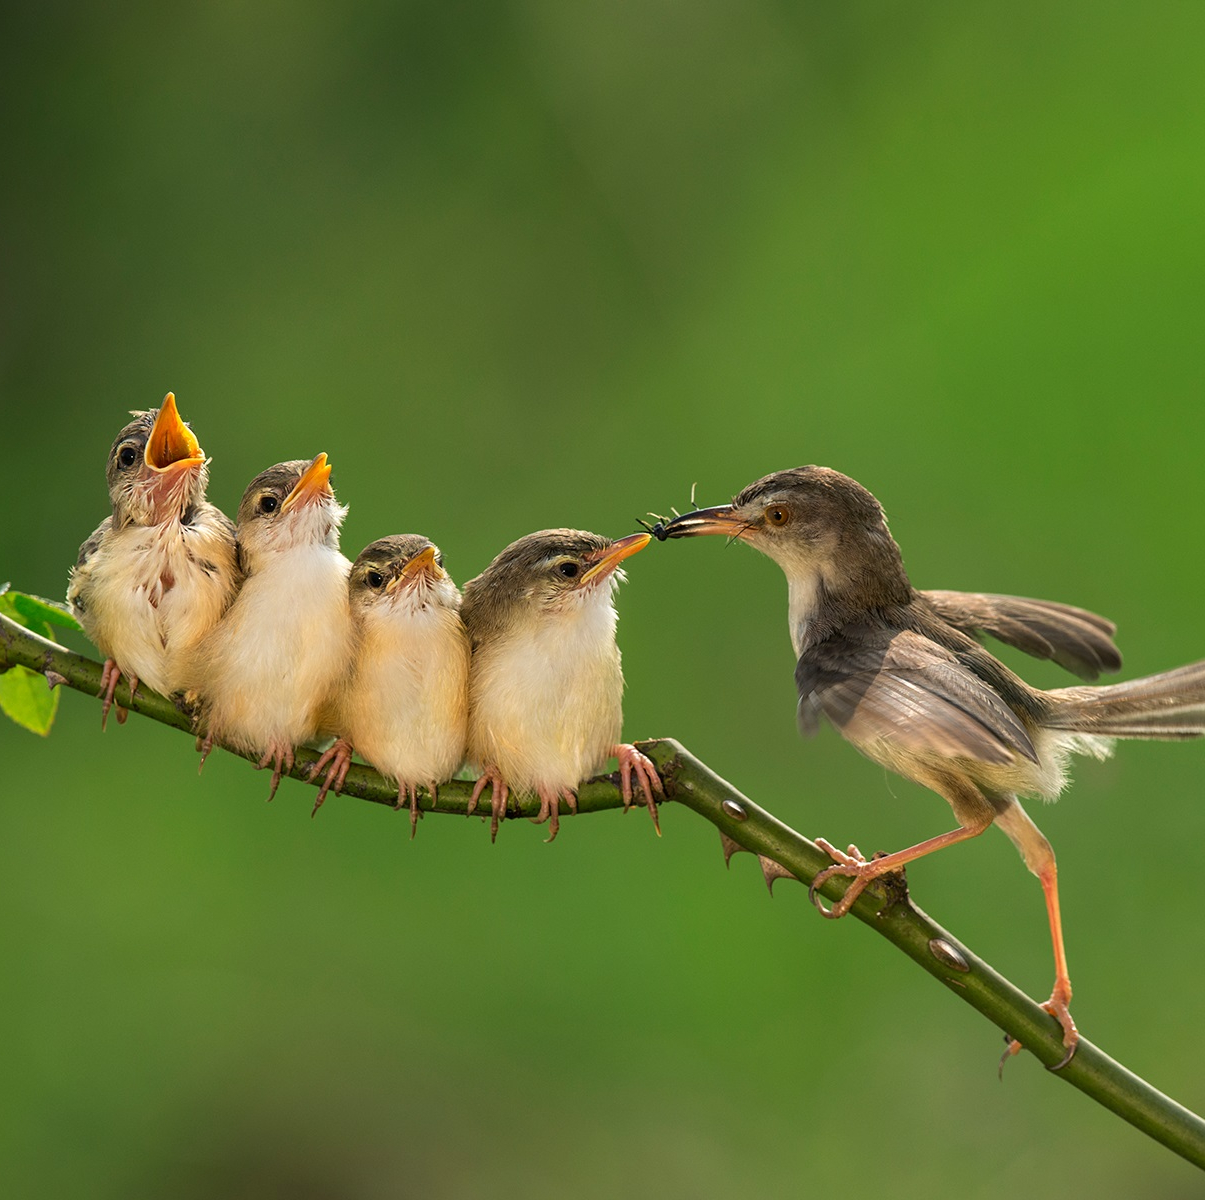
(885, 907)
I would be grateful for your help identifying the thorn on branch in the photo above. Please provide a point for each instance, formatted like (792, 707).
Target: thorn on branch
(774, 871)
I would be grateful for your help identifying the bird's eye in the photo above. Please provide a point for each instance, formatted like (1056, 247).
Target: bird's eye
(268, 503)
(127, 456)
(439, 561)
(375, 579)
(568, 569)
(777, 515)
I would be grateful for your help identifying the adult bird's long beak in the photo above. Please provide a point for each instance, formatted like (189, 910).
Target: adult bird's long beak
(422, 564)
(171, 445)
(313, 485)
(723, 519)
(613, 555)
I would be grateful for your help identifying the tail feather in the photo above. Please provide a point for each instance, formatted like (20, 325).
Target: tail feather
(1169, 706)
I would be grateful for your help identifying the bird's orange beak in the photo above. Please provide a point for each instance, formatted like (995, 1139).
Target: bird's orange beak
(423, 563)
(171, 445)
(313, 485)
(613, 555)
(724, 519)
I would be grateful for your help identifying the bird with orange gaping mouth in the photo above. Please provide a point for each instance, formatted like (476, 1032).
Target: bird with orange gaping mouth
(159, 572)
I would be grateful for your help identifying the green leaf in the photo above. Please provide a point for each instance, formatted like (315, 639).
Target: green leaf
(25, 697)
(30, 609)
(24, 694)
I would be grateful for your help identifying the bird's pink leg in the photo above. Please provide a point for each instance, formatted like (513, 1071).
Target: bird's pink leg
(490, 777)
(335, 763)
(410, 790)
(280, 756)
(632, 760)
(862, 871)
(110, 677)
(550, 805)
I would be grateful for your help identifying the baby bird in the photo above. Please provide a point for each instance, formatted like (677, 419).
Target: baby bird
(404, 704)
(269, 668)
(157, 575)
(545, 683)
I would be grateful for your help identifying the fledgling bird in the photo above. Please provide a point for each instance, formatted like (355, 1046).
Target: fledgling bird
(268, 669)
(157, 575)
(900, 676)
(545, 684)
(403, 705)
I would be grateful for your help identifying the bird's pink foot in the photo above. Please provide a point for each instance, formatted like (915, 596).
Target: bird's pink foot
(110, 677)
(1059, 1007)
(632, 761)
(335, 763)
(281, 758)
(550, 808)
(204, 745)
(409, 791)
(491, 777)
(850, 863)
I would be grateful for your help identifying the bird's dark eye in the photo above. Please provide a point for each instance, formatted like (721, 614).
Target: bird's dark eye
(568, 569)
(268, 503)
(127, 456)
(777, 515)
(375, 579)
(439, 561)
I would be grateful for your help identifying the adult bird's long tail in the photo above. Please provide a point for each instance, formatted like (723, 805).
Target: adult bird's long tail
(1165, 707)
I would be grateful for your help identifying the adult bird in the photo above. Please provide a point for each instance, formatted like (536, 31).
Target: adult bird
(403, 705)
(266, 673)
(899, 674)
(545, 682)
(158, 573)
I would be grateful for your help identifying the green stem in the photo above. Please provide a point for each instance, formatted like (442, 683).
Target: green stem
(885, 906)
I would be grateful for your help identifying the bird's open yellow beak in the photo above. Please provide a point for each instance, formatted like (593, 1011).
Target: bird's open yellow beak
(423, 563)
(613, 555)
(724, 519)
(171, 445)
(313, 485)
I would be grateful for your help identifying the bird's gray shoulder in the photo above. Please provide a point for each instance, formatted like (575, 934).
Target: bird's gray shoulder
(483, 609)
(93, 542)
(80, 576)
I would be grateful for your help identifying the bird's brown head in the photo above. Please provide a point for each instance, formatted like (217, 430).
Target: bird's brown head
(399, 574)
(823, 528)
(550, 573)
(289, 505)
(157, 470)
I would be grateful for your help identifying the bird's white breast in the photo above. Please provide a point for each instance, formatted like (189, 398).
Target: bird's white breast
(803, 593)
(154, 591)
(405, 707)
(274, 661)
(545, 699)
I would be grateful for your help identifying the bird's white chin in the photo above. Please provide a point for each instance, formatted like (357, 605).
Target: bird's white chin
(163, 496)
(597, 592)
(422, 594)
(310, 524)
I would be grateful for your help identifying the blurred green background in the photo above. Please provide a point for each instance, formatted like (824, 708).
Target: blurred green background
(531, 264)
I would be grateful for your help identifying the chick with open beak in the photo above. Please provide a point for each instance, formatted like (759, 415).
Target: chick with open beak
(158, 573)
(403, 706)
(268, 670)
(545, 683)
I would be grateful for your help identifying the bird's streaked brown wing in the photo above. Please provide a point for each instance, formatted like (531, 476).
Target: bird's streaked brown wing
(81, 574)
(900, 688)
(1079, 641)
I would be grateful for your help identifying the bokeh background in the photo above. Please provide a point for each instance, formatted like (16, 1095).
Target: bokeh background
(527, 264)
